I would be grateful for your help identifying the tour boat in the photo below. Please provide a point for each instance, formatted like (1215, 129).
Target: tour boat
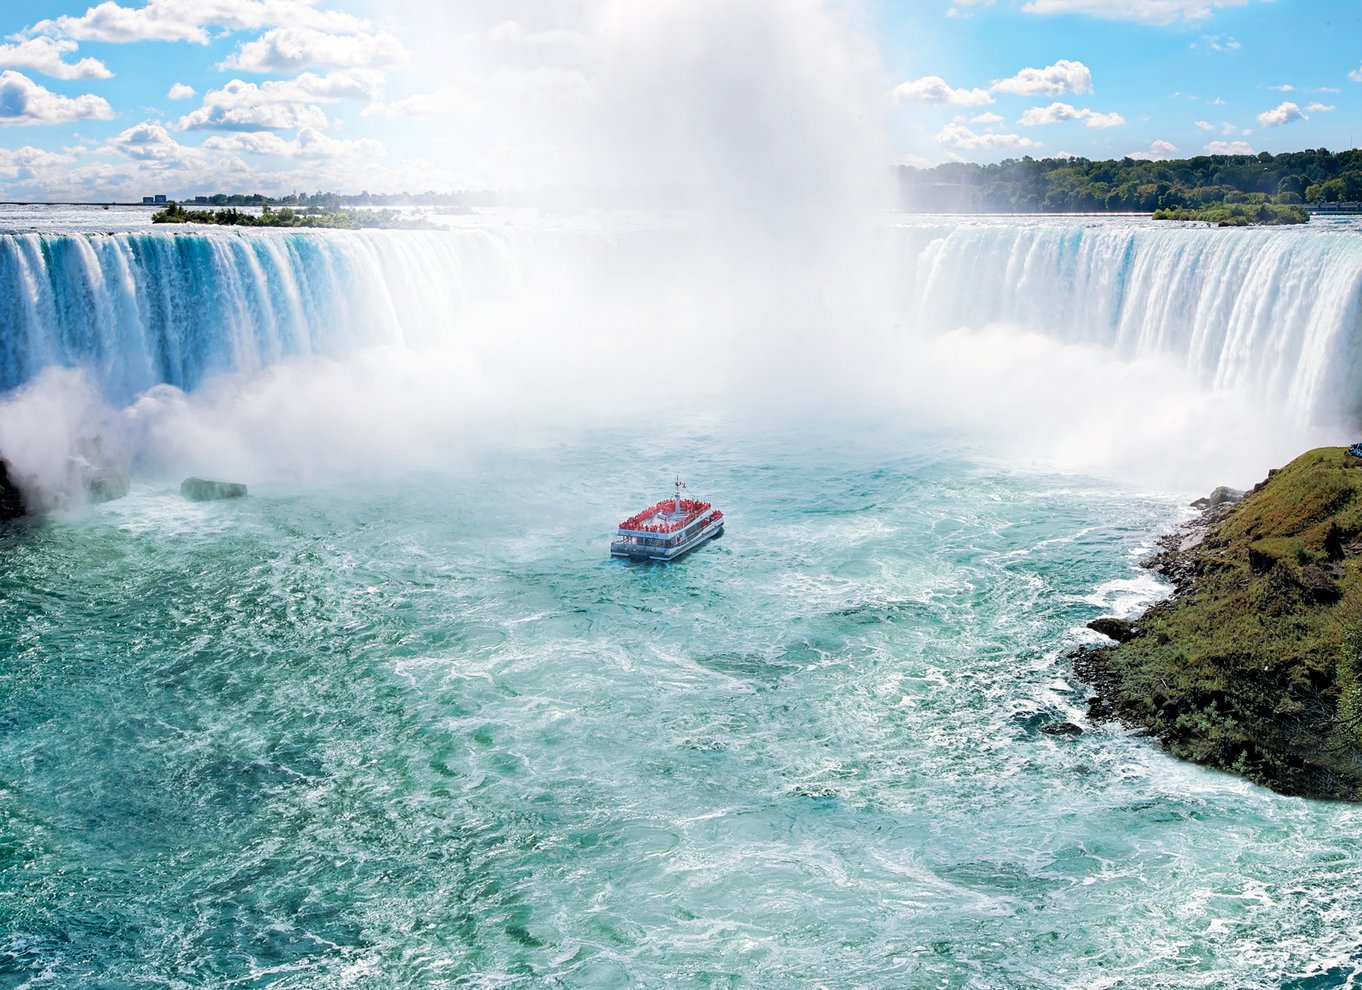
(668, 529)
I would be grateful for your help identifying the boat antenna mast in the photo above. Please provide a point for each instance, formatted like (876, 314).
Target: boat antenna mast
(679, 485)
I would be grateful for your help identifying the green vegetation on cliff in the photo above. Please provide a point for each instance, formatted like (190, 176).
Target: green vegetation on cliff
(268, 217)
(1239, 214)
(1130, 185)
(1255, 665)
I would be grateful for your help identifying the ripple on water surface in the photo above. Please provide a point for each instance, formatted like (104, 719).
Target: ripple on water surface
(422, 735)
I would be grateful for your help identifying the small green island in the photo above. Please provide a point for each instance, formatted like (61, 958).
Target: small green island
(1254, 665)
(288, 217)
(1239, 214)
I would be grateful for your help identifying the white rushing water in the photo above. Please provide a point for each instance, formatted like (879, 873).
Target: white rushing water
(396, 720)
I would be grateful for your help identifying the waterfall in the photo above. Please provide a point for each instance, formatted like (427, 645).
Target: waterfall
(142, 309)
(1270, 312)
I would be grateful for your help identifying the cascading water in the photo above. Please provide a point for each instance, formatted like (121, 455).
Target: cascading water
(1273, 313)
(142, 309)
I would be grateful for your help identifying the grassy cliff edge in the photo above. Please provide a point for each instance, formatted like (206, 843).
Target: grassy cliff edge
(1254, 665)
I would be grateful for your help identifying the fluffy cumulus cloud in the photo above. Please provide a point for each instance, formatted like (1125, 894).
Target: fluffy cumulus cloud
(1229, 148)
(180, 91)
(1065, 76)
(1143, 11)
(1204, 125)
(47, 55)
(289, 49)
(445, 100)
(1159, 151)
(152, 144)
(958, 137)
(934, 89)
(22, 101)
(1283, 113)
(1356, 74)
(280, 104)
(29, 162)
(190, 20)
(309, 143)
(1059, 112)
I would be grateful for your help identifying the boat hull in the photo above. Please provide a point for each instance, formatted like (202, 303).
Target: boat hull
(634, 551)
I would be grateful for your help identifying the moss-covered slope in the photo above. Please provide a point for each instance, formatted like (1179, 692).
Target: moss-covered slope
(1253, 665)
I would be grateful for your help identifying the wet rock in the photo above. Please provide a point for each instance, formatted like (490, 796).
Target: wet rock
(1224, 495)
(206, 490)
(11, 499)
(1120, 630)
(1061, 729)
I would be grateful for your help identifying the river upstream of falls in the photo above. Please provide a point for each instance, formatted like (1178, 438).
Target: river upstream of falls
(397, 720)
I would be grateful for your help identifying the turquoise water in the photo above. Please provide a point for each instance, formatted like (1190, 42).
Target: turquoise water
(419, 731)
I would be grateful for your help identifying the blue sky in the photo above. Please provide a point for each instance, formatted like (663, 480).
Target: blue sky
(131, 97)
(1198, 75)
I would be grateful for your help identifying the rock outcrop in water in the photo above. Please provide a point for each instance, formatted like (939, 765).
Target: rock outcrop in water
(204, 490)
(11, 499)
(1254, 665)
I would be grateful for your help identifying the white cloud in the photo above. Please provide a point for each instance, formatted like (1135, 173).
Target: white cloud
(280, 104)
(28, 162)
(441, 101)
(511, 33)
(1143, 11)
(180, 91)
(1222, 43)
(934, 89)
(960, 138)
(986, 118)
(1158, 151)
(22, 101)
(187, 20)
(1229, 148)
(290, 49)
(1283, 113)
(151, 143)
(308, 144)
(1205, 125)
(1283, 88)
(1064, 76)
(1058, 112)
(45, 55)
(1319, 108)
(1356, 74)
(961, 8)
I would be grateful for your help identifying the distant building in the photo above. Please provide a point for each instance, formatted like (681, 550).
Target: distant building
(148, 200)
(160, 200)
(200, 200)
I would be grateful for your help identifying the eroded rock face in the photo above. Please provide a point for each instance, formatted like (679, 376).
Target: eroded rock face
(11, 499)
(206, 490)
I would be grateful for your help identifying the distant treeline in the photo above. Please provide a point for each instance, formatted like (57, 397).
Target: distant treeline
(288, 217)
(1128, 185)
(334, 201)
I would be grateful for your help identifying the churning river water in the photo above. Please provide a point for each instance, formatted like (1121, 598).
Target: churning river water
(413, 728)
